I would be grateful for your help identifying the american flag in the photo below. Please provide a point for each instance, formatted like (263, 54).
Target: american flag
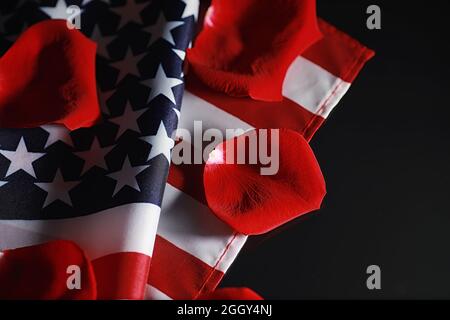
(101, 187)
(191, 241)
(104, 187)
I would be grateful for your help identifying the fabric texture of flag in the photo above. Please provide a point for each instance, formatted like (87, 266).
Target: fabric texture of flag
(100, 187)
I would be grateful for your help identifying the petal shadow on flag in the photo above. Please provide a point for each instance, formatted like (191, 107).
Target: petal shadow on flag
(246, 46)
(255, 203)
(48, 76)
(42, 272)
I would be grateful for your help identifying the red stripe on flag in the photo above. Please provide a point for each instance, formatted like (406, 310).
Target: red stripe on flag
(338, 53)
(197, 276)
(259, 114)
(121, 275)
(189, 179)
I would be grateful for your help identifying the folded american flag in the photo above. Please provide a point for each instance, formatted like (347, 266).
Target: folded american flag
(103, 187)
(193, 248)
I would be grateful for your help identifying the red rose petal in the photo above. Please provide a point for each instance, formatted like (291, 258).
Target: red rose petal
(231, 294)
(40, 272)
(48, 76)
(252, 203)
(246, 46)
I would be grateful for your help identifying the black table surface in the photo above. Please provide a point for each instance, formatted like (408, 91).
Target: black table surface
(385, 155)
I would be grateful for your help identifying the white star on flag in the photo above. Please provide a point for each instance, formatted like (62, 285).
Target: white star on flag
(2, 183)
(161, 143)
(58, 189)
(57, 12)
(85, 2)
(180, 53)
(57, 133)
(162, 29)
(95, 156)
(102, 42)
(127, 176)
(130, 12)
(21, 159)
(128, 65)
(191, 9)
(177, 112)
(161, 84)
(128, 121)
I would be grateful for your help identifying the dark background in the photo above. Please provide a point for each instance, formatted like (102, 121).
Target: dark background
(385, 155)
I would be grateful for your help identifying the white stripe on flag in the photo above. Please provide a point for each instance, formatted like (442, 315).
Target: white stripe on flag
(192, 227)
(196, 109)
(313, 87)
(127, 228)
(151, 293)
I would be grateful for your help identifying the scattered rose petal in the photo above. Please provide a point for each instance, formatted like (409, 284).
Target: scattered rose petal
(252, 203)
(41, 272)
(246, 46)
(48, 76)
